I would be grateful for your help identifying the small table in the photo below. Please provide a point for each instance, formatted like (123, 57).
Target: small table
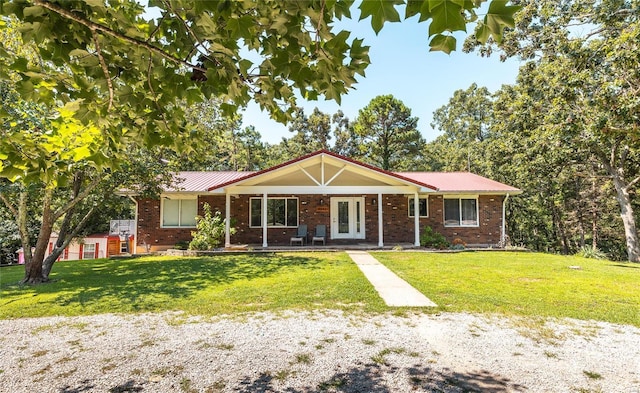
(297, 240)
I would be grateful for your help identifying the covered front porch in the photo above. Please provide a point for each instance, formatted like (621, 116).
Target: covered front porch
(350, 200)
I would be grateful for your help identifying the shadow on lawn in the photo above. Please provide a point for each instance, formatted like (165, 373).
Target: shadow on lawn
(141, 280)
(626, 265)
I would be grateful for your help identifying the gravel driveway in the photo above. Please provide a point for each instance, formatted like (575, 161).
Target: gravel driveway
(316, 352)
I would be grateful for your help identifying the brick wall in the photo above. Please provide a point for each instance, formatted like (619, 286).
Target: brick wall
(399, 227)
(315, 209)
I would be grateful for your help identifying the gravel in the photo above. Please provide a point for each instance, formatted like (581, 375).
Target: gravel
(317, 352)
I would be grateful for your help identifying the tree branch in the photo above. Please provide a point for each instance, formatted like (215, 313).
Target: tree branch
(198, 42)
(633, 182)
(108, 31)
(94, 183)
(55, 253)
(9, 205)
(105, 69)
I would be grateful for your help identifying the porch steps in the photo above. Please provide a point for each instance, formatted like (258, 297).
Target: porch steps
(392, 289)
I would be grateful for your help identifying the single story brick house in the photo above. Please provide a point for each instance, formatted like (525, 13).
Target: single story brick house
(354, 201)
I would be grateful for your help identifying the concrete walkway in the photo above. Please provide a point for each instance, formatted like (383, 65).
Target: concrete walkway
(392, 289)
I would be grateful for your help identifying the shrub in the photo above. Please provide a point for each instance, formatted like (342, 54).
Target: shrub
(432, 239)
(458, 244)
(210, 230)
(181, 246)
(591, 252)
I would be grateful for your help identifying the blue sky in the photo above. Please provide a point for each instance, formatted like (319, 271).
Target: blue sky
(401, 65)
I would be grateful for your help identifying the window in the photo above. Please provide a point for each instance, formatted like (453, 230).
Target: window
(281, 212)
(423, 205)
(461, 212)
(179, 212)
(89, 251)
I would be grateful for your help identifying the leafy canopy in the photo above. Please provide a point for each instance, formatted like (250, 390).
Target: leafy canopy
(122, 74)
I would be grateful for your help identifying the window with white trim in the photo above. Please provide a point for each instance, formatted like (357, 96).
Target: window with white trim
(89, 251)
(461, 212)
(177, 213)
(423, 206)
(281, 212)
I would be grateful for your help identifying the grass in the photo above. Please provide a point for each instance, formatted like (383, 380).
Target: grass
(224, 284)
(381, 357)
(523, 284)
(518, 284)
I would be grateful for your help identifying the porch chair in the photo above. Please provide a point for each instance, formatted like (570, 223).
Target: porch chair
(301, 236)
(319, 235)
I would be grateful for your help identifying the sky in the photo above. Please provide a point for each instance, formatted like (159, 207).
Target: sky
(401, 65)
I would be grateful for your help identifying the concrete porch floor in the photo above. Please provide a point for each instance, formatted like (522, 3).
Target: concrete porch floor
(328, 247)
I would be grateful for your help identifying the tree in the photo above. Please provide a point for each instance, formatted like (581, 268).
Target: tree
(130, 70)
(565, 203)
(312, 132)
(346, 140)
(588, 84)
(390, 139)
(108, 76)
(466, 123)
(214, 141)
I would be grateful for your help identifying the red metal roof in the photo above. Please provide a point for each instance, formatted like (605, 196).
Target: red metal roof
(203, 181)
(450, 182)
(460, 182)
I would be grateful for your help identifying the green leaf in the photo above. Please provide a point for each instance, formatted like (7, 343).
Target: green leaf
(95, 3)
(498, 17)
(244, 66)
(443, 43)
(380, 11)
(482, 32)
(33, 11)
(240, 27)
(447, 16)
(413, 8)
(422, 7)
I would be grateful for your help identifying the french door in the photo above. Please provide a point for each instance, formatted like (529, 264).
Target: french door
(347, 218)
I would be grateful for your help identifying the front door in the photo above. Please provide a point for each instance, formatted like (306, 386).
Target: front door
(347, 218)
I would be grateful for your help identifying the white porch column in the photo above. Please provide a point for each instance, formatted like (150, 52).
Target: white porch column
(380, 228)
(416, 219)
(227, 220)
(264, 220)
(503, 232)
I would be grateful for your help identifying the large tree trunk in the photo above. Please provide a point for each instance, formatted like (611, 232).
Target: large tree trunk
(65, 237)
(33, 273)
(622, 196)
(628, 220)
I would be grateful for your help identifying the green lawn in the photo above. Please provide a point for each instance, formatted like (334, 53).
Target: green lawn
(510, 283)
(207, 286)
(525, 284)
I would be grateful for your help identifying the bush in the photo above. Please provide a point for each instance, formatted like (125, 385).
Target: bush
(210, 230)
(181, 246)
(432, 239)
(591, 252)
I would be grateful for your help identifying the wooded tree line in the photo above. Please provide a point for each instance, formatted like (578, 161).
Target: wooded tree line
(96, 94)
(569, 198)
(116, 84)
(566, 132)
